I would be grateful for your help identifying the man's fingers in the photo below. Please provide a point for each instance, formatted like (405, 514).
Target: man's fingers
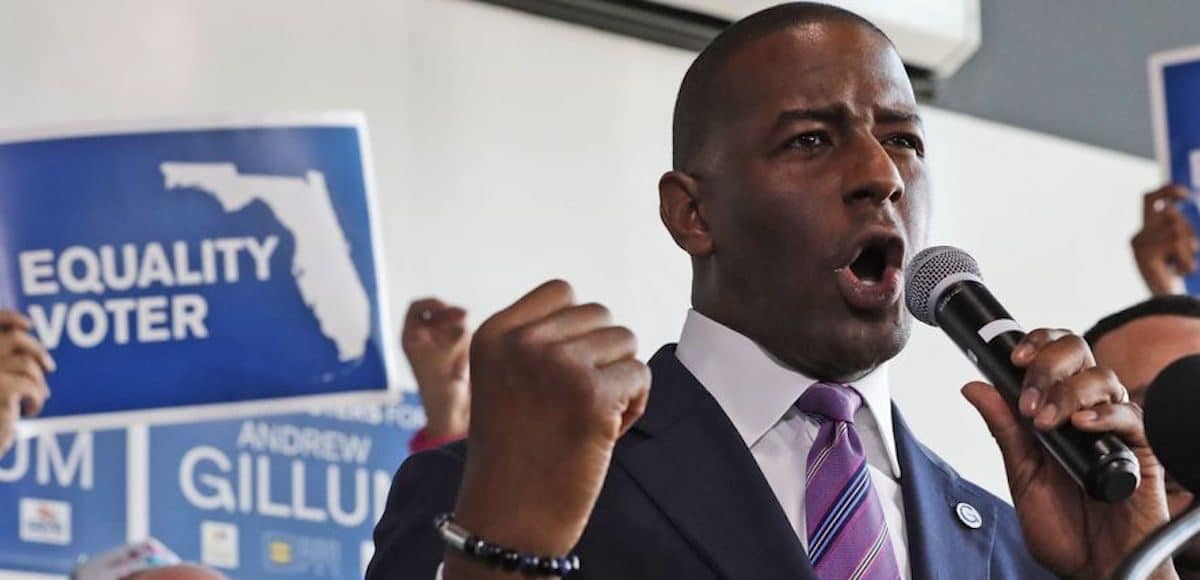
(1183, 255)
(538, 303)
(31, 394)
(10, 413)
(448, 316)
(18, 343)
(1016, 445)
(1086, 389)
(11, 319)
(1034, 342)
(1124, 419)
(23, 366)
(604, 346)
(569, 322)
(419, 309)
(450, 324)
(33, 401)
(1161, 199)
(1182, 243)
(628, 382)
(1053, 362)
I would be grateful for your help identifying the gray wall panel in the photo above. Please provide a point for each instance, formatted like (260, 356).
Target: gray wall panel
(1074, 68)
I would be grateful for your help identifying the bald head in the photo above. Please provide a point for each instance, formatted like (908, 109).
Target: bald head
(179, 572)
(705, 92)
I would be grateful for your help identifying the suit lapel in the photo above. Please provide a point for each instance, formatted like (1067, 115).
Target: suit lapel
(687, 457)
(937, 510)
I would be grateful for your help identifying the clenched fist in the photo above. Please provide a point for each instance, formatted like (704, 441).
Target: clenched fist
(555, 384)
(435, 340)
(23, 364)
(1166, 246)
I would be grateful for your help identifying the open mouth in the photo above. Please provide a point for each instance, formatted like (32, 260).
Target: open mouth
(871, 279)
(876, 256)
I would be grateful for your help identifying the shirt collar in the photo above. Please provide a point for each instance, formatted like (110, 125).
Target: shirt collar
(755, 390)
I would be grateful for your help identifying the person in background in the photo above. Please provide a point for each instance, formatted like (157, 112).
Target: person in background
(1137, 343)
(1166, 246)
(148, 559)
(24, 363)
(436, 341)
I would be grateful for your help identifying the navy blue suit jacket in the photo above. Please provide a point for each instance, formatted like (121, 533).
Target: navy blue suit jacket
(684, 499)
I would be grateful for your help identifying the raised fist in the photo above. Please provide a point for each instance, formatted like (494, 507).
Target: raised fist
(436, 341)
(555, 385)
(1166, 246)
(23, 364)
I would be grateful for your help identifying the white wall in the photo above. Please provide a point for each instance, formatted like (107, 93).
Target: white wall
(510, 149)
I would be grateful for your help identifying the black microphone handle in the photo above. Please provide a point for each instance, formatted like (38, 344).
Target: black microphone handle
(975, 321)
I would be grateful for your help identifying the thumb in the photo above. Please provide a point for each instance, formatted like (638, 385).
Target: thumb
(10, 413)
(1017, 445)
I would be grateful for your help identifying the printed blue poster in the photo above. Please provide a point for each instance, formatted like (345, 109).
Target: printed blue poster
(285, 496)
(200, 269)
(62, 498)
(1175, 100)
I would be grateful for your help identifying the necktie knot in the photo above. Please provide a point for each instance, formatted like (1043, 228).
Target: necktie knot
(831, 401)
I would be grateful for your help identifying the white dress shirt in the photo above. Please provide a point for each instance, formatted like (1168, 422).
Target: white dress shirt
(759, 393)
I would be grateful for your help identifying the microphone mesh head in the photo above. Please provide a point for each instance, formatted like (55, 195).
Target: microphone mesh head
(926, 273)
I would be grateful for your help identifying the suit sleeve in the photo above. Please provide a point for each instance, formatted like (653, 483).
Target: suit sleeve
(406, 545)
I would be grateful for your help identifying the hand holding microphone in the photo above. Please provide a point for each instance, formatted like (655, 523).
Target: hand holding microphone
(1085, 483)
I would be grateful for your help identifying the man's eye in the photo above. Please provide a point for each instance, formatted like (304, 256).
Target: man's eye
(906, 142)
(811, 140)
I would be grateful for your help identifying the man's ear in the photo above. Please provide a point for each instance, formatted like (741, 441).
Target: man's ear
(680, 207)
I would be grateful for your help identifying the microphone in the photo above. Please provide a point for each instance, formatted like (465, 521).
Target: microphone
(943, 288)
(1172, 429)
(1171, 404)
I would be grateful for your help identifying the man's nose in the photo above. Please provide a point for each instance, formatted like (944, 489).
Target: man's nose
(873, 175)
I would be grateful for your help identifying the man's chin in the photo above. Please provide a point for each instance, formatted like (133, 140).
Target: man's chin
(860, 349)
(882, 334)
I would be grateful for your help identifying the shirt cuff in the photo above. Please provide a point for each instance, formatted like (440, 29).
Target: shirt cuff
(423, 442)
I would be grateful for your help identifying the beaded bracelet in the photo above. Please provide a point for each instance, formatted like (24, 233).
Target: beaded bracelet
(455, 536)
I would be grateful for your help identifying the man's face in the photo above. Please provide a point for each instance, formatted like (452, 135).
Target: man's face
(1138, 351)
(815, 192)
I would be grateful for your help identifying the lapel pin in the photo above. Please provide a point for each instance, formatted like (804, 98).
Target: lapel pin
(968, 515)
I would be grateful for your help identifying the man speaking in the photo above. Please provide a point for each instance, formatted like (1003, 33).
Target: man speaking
(768, 447)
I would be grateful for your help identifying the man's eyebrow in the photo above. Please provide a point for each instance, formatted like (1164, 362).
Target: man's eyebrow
(897, 116)
(838, 114)
(831, 114)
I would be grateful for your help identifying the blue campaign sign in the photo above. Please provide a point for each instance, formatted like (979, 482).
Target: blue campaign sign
(285, 496)
(1175, 99)
(62, 496)
(212, 264)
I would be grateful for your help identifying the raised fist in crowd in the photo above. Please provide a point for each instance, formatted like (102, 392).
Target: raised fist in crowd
(437, 343)
(24, 363)
(1166, 246)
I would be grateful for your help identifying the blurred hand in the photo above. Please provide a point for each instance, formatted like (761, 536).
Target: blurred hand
(437, 343)
(1166, 246)
(23, 364)
(1067, 531)
(555, 385)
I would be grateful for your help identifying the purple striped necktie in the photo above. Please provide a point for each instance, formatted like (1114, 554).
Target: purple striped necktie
(847, 534)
